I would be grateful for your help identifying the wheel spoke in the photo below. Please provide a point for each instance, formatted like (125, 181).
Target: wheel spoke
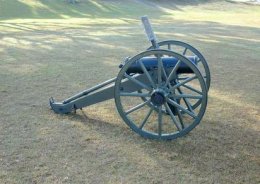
(180, 119)
(135, 94)
(186, 101)
(192, 89)
(137, 82)
(159, 60)
(182, 78)
(137, 107)
(172, 117)
(178, 111)
(146, 118)
(183, 82)
(184, 52)
(160, 121)
(147, 74)
(172, 72)
(164, 73)
(187, 96)
(169, 46)
(181, 108)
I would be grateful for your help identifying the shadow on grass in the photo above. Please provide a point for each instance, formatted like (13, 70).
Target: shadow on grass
(215, 149)
(55, 9)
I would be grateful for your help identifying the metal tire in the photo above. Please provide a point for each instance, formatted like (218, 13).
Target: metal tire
(161, 135)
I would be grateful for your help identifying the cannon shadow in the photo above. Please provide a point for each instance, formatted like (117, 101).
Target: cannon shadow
(213, 149)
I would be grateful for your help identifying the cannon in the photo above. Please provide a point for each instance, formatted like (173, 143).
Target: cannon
(160, 93)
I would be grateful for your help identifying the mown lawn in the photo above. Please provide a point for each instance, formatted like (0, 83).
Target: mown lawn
(51, 48)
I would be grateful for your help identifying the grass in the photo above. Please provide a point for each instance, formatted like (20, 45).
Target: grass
(50, 48)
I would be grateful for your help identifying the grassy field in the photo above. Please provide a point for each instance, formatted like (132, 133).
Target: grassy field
(51, 48)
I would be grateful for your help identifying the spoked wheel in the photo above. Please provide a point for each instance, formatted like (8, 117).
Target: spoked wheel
(188, 50)
(153, 117)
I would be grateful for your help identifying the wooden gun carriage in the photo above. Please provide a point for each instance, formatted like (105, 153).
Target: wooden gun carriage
(160, 93)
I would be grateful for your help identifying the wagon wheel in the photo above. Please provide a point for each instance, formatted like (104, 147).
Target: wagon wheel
(146, 117)
(187, 50)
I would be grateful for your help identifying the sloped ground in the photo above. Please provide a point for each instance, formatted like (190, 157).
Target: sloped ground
(58, 56)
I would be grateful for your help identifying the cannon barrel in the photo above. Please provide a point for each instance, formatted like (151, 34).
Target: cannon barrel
(168, 62)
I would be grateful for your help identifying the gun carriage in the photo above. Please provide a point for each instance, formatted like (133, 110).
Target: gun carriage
(160, 93)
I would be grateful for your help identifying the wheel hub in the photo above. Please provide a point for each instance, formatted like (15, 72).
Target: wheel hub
(158, 98)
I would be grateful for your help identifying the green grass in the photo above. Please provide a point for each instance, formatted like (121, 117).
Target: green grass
(48, 9)
(50, 48)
